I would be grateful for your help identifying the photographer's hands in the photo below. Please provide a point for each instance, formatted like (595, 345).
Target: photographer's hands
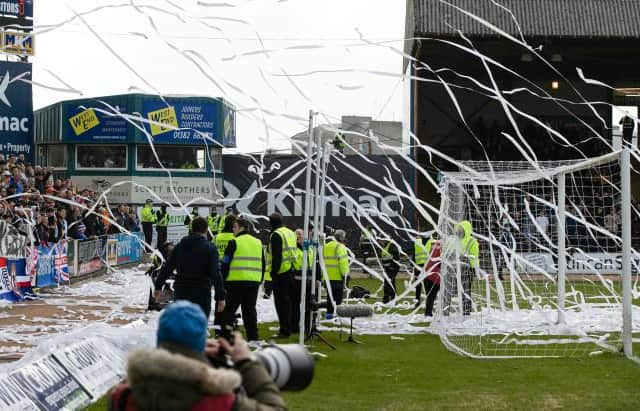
(238, 352)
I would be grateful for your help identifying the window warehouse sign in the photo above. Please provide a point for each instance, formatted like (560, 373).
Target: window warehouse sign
(182, 122)
(16, 110)
(90, 124)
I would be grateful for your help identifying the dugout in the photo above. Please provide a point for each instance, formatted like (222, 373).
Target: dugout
(103, 141)
(600, 39)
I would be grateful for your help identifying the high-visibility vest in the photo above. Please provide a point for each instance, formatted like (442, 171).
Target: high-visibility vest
(212, 222)
(288, 249)
(297, 265)
(222, 219)
(148, 216)
(246, 264)
(419, 252)
(222, 240)
(163, 221)
(336, 260)
(385, 254)
(267, 270)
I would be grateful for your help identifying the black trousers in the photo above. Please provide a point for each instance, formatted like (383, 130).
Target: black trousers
(199, 297)
(337, 290)
(147, 229)
(296, 302)
(390, 289)
(162, 236)
(431, 292)
(282, 290)
(242, 296)
(419, 286)
(467, 278)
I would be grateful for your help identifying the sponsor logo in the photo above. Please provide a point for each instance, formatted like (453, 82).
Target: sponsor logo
(17, 43)
(84, 121)
(163, 116)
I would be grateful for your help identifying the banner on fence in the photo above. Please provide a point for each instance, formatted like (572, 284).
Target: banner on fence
(48, 384)
(46, 273)
(86, 362)
(129, 248)
(61, 264)
(12, 397)
(12, 243)
(20, 276)
(7, 284)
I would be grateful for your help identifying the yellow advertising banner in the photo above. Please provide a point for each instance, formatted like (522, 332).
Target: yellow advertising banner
(163, 116)
(84, 121)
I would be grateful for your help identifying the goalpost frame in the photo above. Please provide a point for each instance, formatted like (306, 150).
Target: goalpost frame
(622, 157)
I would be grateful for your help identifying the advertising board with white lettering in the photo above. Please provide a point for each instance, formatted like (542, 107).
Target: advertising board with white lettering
(182, 122)
(85, 362)
(12, 397)
(90, 120)
(48, 384)
(199, 190)
(278, 185)
(17, 8)
(16, 110)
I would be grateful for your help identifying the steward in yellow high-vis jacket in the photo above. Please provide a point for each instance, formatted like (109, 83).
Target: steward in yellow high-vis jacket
(148, 220)
(282, 249)
(336, 261)
(162, 224)
(468, 251)
(243, 270)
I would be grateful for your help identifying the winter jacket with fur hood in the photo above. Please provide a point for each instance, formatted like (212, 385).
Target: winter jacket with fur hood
(165, 380)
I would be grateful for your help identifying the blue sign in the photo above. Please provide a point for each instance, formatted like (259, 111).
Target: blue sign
(182, 121)
(129, 248)
(46, 274)
(16, 110)
(17, 8)
(92, 121)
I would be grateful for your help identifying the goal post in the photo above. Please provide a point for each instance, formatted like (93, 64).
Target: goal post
(553, 272)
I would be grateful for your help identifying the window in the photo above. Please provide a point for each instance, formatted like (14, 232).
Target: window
(216, 159)
(57, 156)
(99, 156)
(172, 157)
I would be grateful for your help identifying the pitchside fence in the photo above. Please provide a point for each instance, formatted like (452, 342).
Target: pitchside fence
(554, 271)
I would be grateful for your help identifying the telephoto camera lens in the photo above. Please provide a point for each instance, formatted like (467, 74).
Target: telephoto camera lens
(290, 365)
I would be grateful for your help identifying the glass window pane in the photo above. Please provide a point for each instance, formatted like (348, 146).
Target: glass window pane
(99, 156)
(172, 157)
(57, 156)
(216, 159)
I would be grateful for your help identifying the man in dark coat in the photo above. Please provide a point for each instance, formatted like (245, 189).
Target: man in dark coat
(196, 262)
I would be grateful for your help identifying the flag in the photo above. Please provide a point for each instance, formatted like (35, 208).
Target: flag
(62, 267)
(6, 283)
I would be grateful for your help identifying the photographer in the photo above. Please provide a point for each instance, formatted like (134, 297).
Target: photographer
(178, 375)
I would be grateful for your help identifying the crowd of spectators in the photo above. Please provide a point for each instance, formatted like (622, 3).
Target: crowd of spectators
(49, 209)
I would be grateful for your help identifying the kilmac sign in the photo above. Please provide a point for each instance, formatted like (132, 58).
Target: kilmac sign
(278, 185)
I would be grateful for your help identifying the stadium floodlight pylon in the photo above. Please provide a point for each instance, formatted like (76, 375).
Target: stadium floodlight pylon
(553, 275)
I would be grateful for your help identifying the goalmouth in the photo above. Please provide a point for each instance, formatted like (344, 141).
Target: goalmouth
(553, 275)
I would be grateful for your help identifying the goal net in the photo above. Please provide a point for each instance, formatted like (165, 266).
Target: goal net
(535, 289)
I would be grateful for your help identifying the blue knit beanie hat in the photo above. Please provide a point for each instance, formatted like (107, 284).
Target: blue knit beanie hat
(185, 324)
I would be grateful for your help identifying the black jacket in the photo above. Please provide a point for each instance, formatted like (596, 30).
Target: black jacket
(276, 252)
(196, 263)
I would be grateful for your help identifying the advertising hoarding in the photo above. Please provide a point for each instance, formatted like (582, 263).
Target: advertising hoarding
(91, 124)
(16, 110)
(184, 120)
